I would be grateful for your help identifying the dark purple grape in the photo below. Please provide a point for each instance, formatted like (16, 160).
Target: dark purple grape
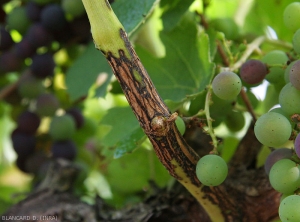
(2, 13)
(38, 35)
(42, 65)
(23, 143)
(28, 122)
(10, 62)
(21, 163)
(81, 27)
(64, 149)
(295, 75)
(46, 105)
(24, 49)
(53, 17)
(253, 71)
(33, 11)
(297, 145)
(6, 41)
(275, 155)
(77, 115)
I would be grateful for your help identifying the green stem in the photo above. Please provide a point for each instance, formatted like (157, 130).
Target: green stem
(106, 37)
(253, 46)
(209, 120)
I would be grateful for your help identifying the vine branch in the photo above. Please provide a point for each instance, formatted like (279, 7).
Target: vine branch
(153, 115)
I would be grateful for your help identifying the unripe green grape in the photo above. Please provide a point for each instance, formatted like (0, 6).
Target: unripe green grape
(17, 19)
(31, 87)
(291, 16)
(62, 127)
(289, 209)
(281, 111)
(276, 74)
(180, 125)
(73, 7)
(296, 41)
(235, 121)
(211, 170)
(227, 85)
(289, 99)
(272, 129)
(284, 176)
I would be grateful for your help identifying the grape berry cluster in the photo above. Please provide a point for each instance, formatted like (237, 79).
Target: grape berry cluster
(44, 28)
(275, 128)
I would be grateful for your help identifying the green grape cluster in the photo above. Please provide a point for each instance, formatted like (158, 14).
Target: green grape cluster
(280, 125)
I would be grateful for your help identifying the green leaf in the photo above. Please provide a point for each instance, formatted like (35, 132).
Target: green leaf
(133, 13)
(174, 12)
(85, 70)
(262, 15)
(186, 68)
(125, 133)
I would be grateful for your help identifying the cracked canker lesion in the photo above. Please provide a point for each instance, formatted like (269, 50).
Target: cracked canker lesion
(160, 125)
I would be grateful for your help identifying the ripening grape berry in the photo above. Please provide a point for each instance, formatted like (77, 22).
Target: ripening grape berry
(64, 149)
(227, 85)
(46, 104)
(253, 71)
(289, 209)
(287, 72)
(62, 127)
(276, 155)
(295, 75)
(211, 170)
(42, 65)
(291, 16)
(272, 129)
(289, 99)
(180, 125)
(74, 8)
(53, 17)
(276, 74)
(297, 145)
(284, 176)
(28, 122)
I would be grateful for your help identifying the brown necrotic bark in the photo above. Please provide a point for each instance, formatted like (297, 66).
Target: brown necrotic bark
(151, 112)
